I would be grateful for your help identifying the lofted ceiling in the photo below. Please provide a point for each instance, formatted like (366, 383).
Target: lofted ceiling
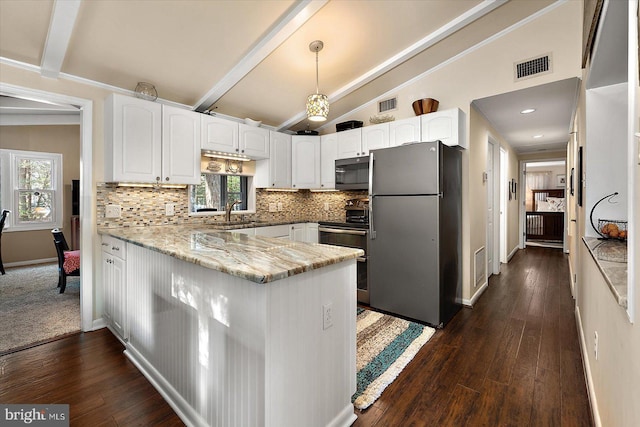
(250, 58)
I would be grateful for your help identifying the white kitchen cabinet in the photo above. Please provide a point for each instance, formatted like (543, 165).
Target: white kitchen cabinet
(311, 232)
(447, 126)
(180, 146)
(350, 143)
(374, 137)
(298, 233)
(275, 172)
(150, 142)
(403, 131)
(253, 141)
(305, 161)
(133, 139)
(114, 286)
(219, 134)
(248, 231)
(328, 156)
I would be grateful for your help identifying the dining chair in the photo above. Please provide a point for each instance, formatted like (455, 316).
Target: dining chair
(68, 261)
(2, 220)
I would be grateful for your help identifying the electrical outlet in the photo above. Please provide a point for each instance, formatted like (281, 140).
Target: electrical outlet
(595, 344)
(113, 211)
(170, 209)
(327, 315)
(326, 206)
(273, 207)
(279, 206)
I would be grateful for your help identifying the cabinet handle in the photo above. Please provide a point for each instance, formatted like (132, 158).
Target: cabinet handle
(105, 244)
(115, 248)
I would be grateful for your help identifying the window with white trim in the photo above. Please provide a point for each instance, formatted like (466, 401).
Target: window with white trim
(31, 189)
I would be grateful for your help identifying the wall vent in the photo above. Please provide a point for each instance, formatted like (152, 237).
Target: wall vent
(532, 67)
(480, 267)
(388, 105)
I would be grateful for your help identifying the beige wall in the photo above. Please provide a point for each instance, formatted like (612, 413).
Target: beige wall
(25, 246)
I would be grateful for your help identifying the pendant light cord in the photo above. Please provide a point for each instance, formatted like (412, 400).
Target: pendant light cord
(317, 91)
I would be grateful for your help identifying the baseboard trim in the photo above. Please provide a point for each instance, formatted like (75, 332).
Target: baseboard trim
(31, 262)
(98, 324)
(512, 253)
(345, 418)
(587, 370)
(166, 390)
(474, 298)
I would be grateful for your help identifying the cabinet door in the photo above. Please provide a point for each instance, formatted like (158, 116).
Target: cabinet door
(374, 137)
(280, 160)
(403, 131)
(119, 300)
(298, 233)
(107, 287)
(328, 156)
(305, 161)
(445, 126)
(133, 139)
(311, 232)
(180, 146)
(254, 141)
(219, 134)
(350, 143)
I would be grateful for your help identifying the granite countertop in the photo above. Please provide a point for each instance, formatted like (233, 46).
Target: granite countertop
(611, 258)
(258, 259)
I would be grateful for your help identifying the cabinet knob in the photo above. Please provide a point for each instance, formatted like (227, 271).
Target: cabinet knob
(236, 150)
(273, 184)
(166, 179)
(243, 151)
(157, 178)
(321, 185)
(294, 185)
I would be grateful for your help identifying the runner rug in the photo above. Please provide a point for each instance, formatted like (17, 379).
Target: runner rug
(385, 345)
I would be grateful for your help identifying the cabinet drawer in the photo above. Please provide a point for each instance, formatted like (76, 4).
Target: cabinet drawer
(115, 247)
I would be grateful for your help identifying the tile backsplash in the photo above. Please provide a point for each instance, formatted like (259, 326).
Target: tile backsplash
(146, 206)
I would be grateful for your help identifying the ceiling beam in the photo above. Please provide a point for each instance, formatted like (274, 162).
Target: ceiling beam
(441, 33)
(295, 17)
(63, 18)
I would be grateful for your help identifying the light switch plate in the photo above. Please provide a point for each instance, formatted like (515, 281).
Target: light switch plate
(279, 206)
(170, 209)
(273, 207)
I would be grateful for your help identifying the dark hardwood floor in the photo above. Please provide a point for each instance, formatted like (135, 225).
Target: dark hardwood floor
(512, 360)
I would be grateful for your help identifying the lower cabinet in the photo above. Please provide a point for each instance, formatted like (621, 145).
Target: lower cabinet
(298, 232)
(115, 286)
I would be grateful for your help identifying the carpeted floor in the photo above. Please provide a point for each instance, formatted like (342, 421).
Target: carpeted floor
(385, 345)
(32, 309)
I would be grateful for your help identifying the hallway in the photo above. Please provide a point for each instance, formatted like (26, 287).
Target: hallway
(514, 359)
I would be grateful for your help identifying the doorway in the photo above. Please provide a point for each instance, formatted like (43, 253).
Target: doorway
(543, 213)
(493, 207)
(87, 227)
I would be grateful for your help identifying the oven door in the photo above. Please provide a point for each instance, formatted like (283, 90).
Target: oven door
(350, 238)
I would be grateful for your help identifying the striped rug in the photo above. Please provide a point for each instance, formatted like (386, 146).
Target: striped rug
(385, 345)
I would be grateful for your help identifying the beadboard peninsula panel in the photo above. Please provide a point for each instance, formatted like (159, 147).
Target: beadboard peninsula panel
(226, 351)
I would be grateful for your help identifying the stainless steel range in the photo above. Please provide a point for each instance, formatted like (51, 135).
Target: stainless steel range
(353, 233)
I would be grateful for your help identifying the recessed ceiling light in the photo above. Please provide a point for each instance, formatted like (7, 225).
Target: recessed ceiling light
(537, 136)
(527, 111)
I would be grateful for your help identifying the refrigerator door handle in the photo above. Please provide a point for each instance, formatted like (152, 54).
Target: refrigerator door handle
(372, 230)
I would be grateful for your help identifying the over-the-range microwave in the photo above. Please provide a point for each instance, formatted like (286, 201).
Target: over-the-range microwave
(352, 173)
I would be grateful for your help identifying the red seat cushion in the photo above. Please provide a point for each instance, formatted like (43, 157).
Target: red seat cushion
(71, 261)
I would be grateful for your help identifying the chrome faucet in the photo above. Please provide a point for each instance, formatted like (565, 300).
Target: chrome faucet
(228, 208)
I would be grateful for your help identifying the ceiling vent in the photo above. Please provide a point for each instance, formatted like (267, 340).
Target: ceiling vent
(532, 67)
(388, 105)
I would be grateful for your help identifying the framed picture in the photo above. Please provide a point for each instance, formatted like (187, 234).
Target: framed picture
(562, 180)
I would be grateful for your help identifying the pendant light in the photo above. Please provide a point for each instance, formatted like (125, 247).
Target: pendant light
(317, 103)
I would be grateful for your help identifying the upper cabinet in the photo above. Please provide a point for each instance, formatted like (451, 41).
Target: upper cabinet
(275, 172)
(180, 145)
(219, 134)
(447, 126)
(328, 156)
(253, 141)
(403, 131)
(374, 137)
(141, 147)
(305, 161)
(232, 137)
(350, 143)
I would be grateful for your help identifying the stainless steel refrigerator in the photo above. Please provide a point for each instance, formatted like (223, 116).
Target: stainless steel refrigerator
(415, 239)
